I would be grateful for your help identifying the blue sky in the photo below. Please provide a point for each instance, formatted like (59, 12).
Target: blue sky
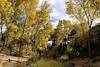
(58, 10)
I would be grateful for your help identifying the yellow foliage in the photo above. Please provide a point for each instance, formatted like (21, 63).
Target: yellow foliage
(26, 50)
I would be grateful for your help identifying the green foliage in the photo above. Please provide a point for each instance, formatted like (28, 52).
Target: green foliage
(70, 7)
(44, 29)
(20, 35)
(96, 34)
(84, 10)
(63, 30)
(29, 29)
(53, 53)
(23, 64)
(26, 50)
(47, 63)
(64, 57)
(70, 48)
(18, 38)
(44, 35)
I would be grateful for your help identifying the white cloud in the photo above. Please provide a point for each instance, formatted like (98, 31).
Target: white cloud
(55, 24)
(58, 10)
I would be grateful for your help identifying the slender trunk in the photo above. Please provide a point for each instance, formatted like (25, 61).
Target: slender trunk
(89, 40)
(1, 32)
(89, 45)
(1, 28)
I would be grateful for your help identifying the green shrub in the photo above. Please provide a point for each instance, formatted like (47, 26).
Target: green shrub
(21, 64)
(26, 50)
(47, 63)
(53, 53)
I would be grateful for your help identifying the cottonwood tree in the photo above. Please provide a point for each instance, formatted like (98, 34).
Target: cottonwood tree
(64, 28)
(43, 29)
(84, 11)
(18, 16)
(43, 37)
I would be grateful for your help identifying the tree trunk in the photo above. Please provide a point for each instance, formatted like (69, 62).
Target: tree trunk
(89, 42)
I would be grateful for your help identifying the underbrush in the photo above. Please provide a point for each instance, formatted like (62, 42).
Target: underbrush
(47, 63)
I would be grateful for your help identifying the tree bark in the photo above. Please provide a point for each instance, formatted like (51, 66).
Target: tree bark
(89, 40)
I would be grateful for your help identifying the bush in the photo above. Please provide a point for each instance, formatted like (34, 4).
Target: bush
(47, 63)
(53, 53)
(26, 50)
(21, 64)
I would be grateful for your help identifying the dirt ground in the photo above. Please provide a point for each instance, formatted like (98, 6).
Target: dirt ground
(86, 62)
(76, 62)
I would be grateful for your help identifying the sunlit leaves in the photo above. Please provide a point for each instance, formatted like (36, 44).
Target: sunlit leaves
(43, 37)
(18, 31)
(70, 7)
(6, 11)
(83, 10)
(26, 50)
(64, 28)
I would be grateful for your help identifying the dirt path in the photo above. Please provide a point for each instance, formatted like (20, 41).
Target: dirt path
(4, 57)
